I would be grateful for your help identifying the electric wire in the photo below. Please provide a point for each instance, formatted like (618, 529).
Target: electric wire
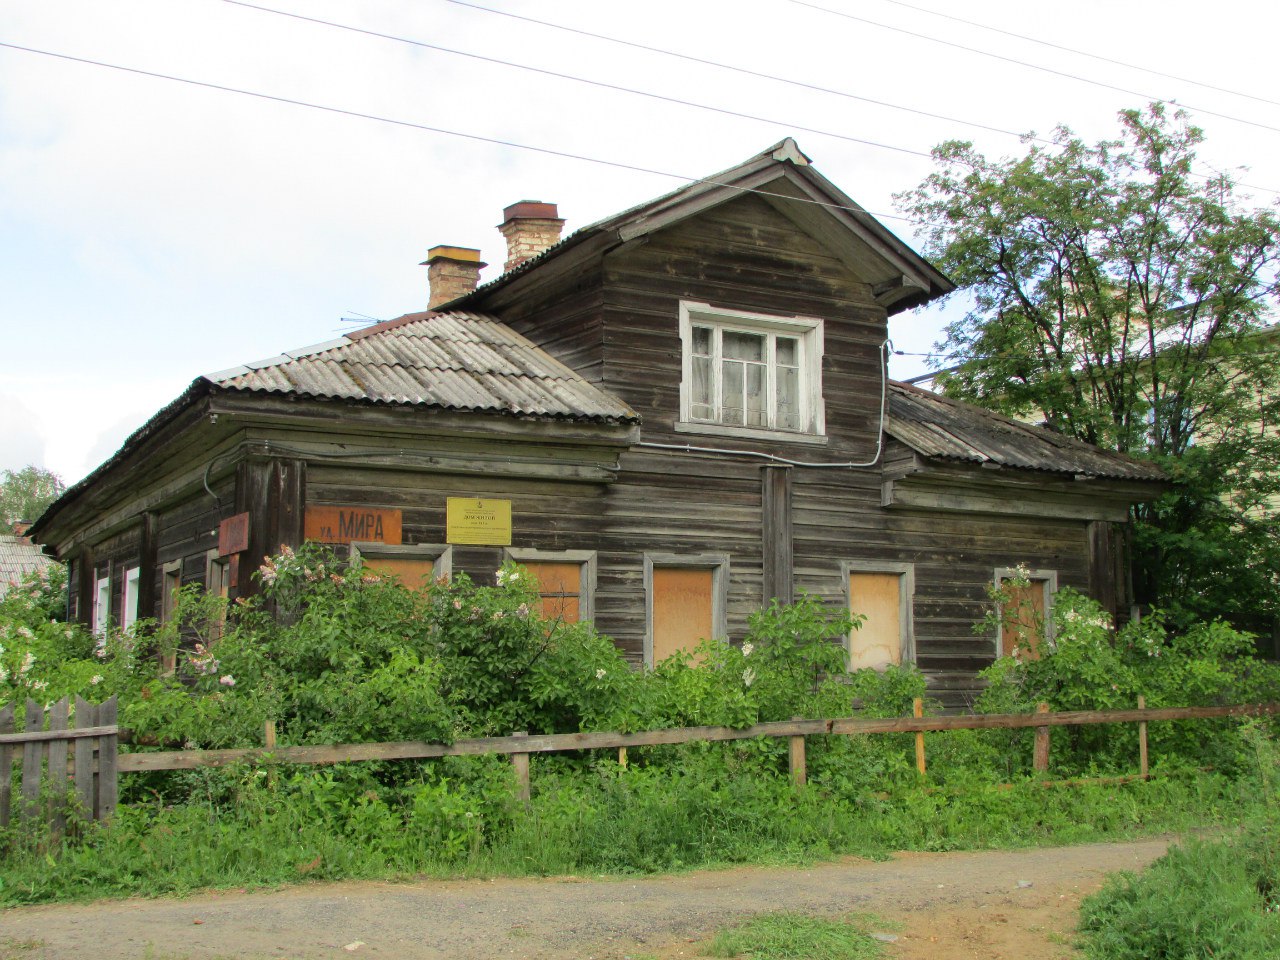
(617, 88)
(1077, 52)
(1023, 63)
(746, 71)
(479, 138)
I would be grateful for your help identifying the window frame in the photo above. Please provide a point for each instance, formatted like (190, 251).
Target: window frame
(101, 602)
(906, 573)
(440, 554)
(808, 333)
(587, 567)
(1049, 580)
(217, 581)
(718, 563)
(129, 597)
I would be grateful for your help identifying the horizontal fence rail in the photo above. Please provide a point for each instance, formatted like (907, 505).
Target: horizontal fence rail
(89, 749)
(558, 742)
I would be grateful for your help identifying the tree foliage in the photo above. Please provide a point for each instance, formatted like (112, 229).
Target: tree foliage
(25, 493)
(1123, 300)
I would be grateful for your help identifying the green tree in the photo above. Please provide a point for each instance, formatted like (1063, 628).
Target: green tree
(25, 493)
(1123, 299)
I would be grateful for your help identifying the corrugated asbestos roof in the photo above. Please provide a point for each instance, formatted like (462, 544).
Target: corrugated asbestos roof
(18, 557)
(453, 361)
(937, 426)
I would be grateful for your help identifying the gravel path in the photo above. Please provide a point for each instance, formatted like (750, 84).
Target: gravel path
(946, 905)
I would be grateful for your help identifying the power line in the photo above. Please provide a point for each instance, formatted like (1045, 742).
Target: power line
(857, 211)
(1023, 63)
(594, 83)
(1081, 53)
(745, 71)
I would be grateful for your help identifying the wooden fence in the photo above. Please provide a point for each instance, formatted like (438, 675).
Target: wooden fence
(84, 755)
(96, 726)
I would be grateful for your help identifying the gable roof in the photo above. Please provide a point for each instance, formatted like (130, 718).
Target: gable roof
(785, 178)
(937, 426)
(451, 361)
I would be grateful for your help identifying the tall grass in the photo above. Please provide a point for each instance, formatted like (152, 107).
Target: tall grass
(704, 811)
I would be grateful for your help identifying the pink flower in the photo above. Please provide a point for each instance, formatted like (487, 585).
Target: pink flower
(227, 680)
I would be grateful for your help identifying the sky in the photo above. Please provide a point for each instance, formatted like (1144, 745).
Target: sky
(152, 230)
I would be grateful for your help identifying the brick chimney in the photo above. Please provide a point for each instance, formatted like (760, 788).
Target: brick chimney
(530, 227)
(452, 272)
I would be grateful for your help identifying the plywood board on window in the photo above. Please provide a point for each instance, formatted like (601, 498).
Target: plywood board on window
(414, 572)
(559, 589)
(878, 597)
(1023, 619)
(682, 609)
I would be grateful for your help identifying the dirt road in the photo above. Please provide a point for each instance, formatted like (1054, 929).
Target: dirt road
(955, 905)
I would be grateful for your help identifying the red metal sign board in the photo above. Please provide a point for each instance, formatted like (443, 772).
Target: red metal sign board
(233, 535)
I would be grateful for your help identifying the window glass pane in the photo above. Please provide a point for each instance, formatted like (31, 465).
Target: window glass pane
(757, 407)
(702, 341)
(788, 398)
(786, 351)
(701, 397)
(744, 346)
(733, 400)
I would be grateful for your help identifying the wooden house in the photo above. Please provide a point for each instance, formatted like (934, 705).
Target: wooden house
(671, 416)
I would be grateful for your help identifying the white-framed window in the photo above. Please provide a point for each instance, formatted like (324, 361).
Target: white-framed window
(686, 601)
(1028, 616)
(883, 593)
(566, 581)
(750, 374)
(102, 602)
(129, 607)
(417, 566)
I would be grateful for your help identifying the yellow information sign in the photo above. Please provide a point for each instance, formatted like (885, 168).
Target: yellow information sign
(484, 522)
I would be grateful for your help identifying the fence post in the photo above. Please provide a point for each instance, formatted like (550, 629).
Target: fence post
(795, 757)
(32, 762)
(86, 716)
(1142, 740)
(622, 757)
(6, 765)
(1041, 761)
(520, 763)
(917, 711)
(108, 747)
(58, 715)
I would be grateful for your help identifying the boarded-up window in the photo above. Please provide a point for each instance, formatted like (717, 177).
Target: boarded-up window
(416, 566)
(559, 589)
(1024, 616)
(217, 581)
(877, 597)
(414, 572)
(683, 609)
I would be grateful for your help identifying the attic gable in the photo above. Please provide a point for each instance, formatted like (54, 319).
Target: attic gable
(785, 178)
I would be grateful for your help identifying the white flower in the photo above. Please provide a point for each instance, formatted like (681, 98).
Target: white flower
(748, 676)
(227, 680)
(26, 632)
(96, 679)
(747, 648)
(27, 663)
(506, 576)
(39, 684)
(600, 674)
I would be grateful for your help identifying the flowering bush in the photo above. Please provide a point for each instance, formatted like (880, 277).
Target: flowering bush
(1084, 663)
(45, 659)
